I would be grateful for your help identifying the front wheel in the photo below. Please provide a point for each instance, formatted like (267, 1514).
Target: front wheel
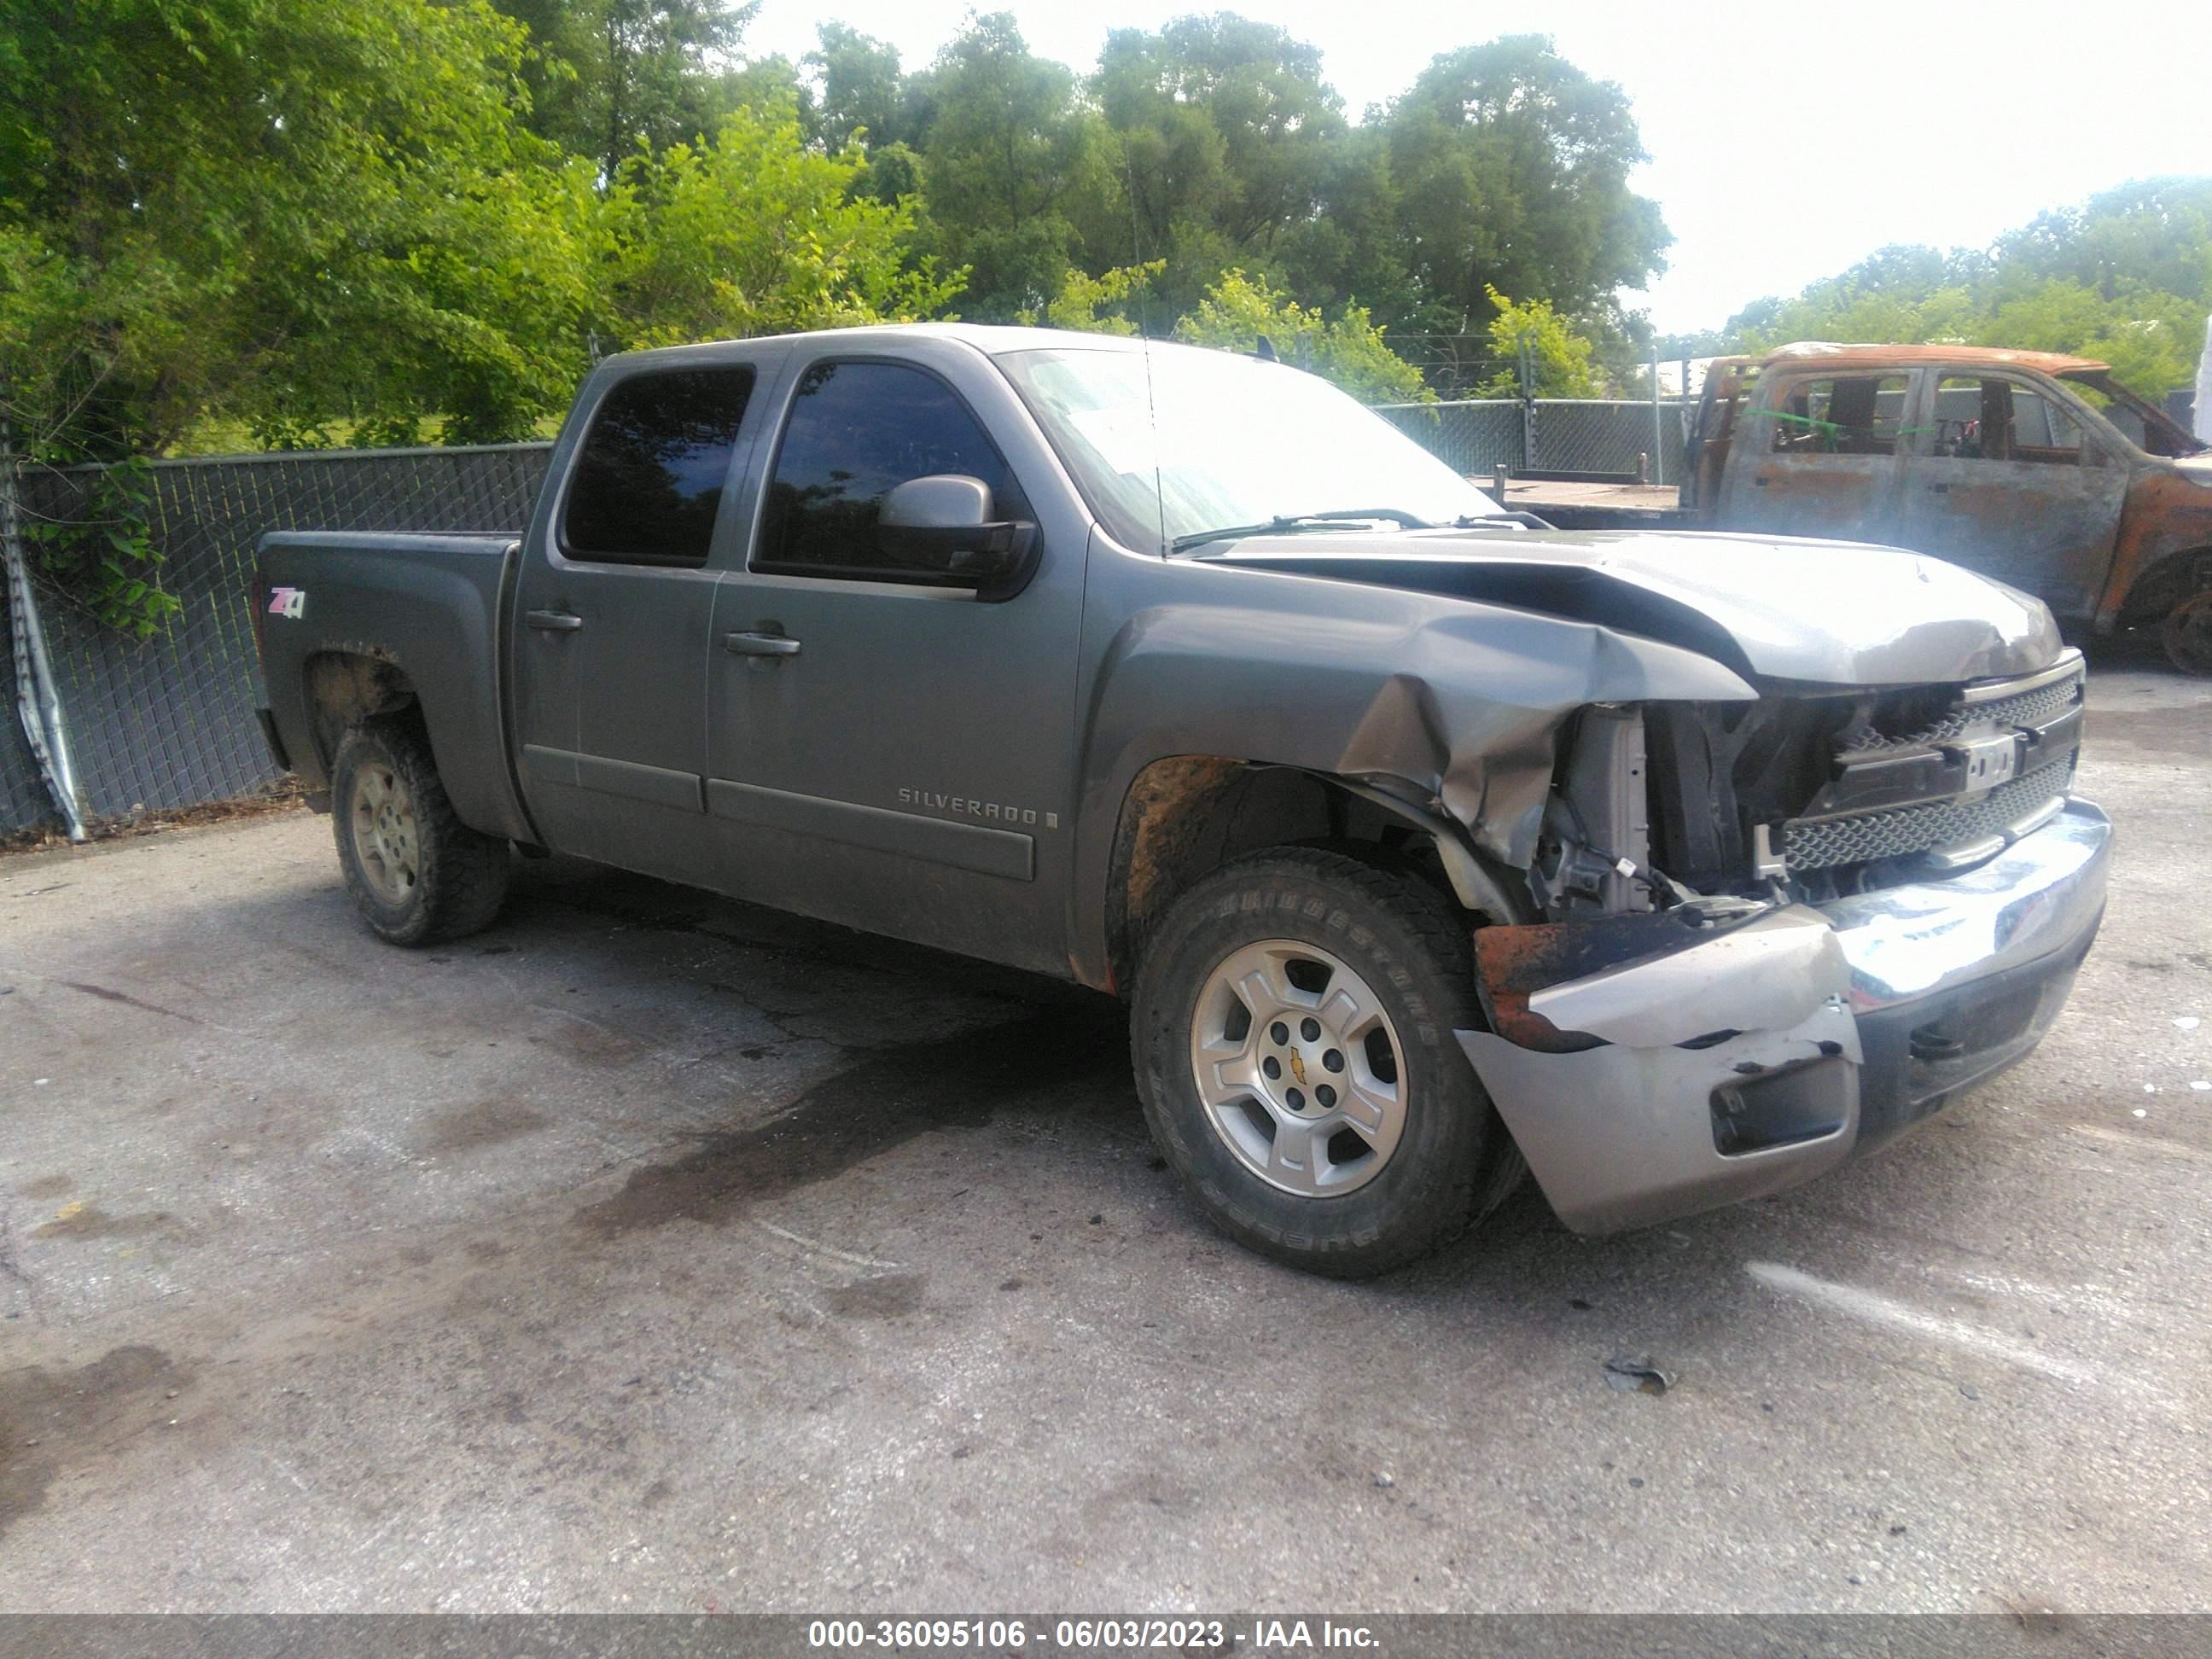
(416, 872)
(1292, 1038)
(2186, 634)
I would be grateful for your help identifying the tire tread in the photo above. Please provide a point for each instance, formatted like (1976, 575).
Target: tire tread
(468, 870)
(1441, 933)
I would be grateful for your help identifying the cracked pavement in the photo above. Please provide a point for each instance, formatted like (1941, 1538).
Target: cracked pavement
(651, 1251)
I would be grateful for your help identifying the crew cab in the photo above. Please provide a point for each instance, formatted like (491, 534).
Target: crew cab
(2039, 470)
(1425, 846)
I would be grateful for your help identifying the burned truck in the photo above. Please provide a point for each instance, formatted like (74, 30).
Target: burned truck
(2039, 470)
(1426, 848)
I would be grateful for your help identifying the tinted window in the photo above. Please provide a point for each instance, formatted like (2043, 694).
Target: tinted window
(651, 472)
(857, 430)
(1850, 415)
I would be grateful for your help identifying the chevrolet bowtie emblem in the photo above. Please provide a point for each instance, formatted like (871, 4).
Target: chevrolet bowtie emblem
(1298, 1066)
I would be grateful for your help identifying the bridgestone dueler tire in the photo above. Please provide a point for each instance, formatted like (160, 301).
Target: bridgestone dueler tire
(1453, 1163)
(461, 876)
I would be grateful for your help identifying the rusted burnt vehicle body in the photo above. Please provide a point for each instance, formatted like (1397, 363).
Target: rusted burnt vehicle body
(2036, 469)
(1421, 842)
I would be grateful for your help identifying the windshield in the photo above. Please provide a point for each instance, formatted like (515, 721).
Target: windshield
(2145, 425)
(1215, 440)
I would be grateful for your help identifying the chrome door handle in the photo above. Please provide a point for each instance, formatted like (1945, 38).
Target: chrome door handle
(760, 645)
(553, 622)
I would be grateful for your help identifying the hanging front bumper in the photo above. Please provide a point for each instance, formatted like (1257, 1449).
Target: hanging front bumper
(1651, 1069)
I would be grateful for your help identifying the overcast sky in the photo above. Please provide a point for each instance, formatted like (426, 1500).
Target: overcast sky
(1788, 139)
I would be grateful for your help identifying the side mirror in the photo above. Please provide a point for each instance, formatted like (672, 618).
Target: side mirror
(940, 528)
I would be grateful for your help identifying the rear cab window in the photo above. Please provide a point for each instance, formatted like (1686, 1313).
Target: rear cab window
(649, 475)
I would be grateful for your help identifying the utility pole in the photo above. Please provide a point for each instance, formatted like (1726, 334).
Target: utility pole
(1527, 402)
(1658, 427)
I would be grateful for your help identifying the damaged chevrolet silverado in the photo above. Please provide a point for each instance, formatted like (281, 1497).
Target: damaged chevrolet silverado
(1428, 846)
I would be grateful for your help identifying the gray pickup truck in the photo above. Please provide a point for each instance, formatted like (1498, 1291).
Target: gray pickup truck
(1427, 845)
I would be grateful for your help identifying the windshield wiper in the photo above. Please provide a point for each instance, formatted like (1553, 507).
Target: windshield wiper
(1295, 523)
(1512, 517)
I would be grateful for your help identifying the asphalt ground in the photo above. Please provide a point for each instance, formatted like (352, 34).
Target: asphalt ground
(654, 1252)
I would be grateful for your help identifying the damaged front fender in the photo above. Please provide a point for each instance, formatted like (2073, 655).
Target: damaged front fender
(1450, 706)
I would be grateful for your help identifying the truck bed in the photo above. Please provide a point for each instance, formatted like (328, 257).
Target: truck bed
(1596, 506)
(428, 605)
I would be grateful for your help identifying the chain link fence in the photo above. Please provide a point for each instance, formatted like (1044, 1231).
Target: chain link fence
(23, 798)
(22, 794)
(1571, 435)
(1470, 438)
(168, 722)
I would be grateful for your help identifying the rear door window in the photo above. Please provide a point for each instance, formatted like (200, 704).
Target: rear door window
(1838, 415)
(649, 477)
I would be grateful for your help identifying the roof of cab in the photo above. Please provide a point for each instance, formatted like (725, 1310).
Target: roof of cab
(992, 338)
(1874, 357)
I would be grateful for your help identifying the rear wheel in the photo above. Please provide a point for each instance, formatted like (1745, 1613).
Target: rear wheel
(2186, 634)
(416, 872)
(1292, 1035)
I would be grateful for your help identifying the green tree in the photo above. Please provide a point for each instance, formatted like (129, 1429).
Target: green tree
(758, 233)
(863, 91)
(1083, 302)
(2153, 233)
(2085, 280)
(1010, 160)
(607, 76)
(1558, 357)
(1901, 293)
(1230, 143)
(756, 83)
(1239, 311)
(278, 214)
(1353, 246)
(1233, 151)
(2151, 339)
(1510, 168)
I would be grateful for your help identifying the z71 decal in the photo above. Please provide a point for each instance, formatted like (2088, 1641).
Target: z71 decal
(288, 602)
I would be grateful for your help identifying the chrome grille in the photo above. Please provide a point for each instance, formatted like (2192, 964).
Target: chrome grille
(2034, 708)
(1828, 843)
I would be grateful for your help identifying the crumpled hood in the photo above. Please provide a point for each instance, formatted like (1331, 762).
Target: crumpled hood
(1830, 613)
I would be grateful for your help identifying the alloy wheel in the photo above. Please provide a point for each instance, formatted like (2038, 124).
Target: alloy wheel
(1300, 1069)
(384, 833)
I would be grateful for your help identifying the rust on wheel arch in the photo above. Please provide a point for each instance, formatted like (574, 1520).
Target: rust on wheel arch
(1156, 840)
(2164, 516)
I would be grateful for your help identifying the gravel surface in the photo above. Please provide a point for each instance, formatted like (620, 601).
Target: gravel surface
(652, 1252)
